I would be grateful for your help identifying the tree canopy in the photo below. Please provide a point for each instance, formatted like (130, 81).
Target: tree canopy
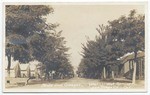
(43, 42)
(120, 36)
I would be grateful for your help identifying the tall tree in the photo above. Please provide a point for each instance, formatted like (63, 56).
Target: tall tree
(50, 49)
(122, 35)
(27, 19)
(22, 21)
(129, 31)
(42, 42)
(98, 55)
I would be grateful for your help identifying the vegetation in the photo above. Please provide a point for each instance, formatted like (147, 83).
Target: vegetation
(131, 30)
(30, 37)
(122, 35)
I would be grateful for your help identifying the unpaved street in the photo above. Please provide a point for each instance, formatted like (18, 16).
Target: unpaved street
(80, 83)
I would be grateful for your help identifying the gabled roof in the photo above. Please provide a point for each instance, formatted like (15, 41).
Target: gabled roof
(24, 66)
(34, 64)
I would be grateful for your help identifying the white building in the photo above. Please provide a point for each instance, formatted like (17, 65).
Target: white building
(22, 70)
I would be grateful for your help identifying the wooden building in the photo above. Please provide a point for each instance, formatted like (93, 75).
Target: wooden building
(126, 66)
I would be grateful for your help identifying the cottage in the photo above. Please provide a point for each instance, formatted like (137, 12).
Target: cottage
(126, 66)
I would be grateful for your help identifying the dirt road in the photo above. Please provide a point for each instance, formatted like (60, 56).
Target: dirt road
(80, 83)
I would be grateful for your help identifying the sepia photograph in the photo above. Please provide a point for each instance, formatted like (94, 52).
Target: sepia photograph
(74, 47)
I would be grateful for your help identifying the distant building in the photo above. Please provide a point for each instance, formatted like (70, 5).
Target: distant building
(23, 70)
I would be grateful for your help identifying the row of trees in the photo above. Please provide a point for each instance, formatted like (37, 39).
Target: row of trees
(120, 36)
(30, 37)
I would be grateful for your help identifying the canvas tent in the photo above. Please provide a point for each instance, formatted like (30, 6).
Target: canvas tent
(17, 70)
(25, 70)
(35, 68)
(13, 68)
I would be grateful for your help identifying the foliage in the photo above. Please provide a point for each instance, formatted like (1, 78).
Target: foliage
(25, 19)
(122, 35)
(51, 51)
(130, 31)
(43, 42)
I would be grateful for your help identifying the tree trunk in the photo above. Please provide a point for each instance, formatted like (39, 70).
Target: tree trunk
(141, 69)
(9, 65)
(104, 71)
(134, 69)
(46, 75)
(112, 74)
(134, 74)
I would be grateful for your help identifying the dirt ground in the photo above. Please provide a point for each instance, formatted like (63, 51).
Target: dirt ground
(75, 83)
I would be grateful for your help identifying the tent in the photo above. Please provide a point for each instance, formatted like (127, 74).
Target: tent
(25, 70)
(13, 65)
(34, 68)
(17, 70)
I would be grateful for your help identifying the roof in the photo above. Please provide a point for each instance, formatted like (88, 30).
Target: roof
(32, 67)
(24, 66)
(34, 64)
(130, 56)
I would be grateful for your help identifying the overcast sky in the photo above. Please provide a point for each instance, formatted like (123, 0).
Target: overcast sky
(79, 21)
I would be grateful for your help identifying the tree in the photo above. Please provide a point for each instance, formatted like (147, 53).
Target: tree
(129, 31)
(122, 35)
(43, 43)
(98, 55)
(16, 44)
(22, 21)
(25, 20)
(50, 49)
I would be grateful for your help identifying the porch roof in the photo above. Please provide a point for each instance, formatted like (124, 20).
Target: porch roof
(130, 56)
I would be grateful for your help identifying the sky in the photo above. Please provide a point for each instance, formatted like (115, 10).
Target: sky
(80, 21)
